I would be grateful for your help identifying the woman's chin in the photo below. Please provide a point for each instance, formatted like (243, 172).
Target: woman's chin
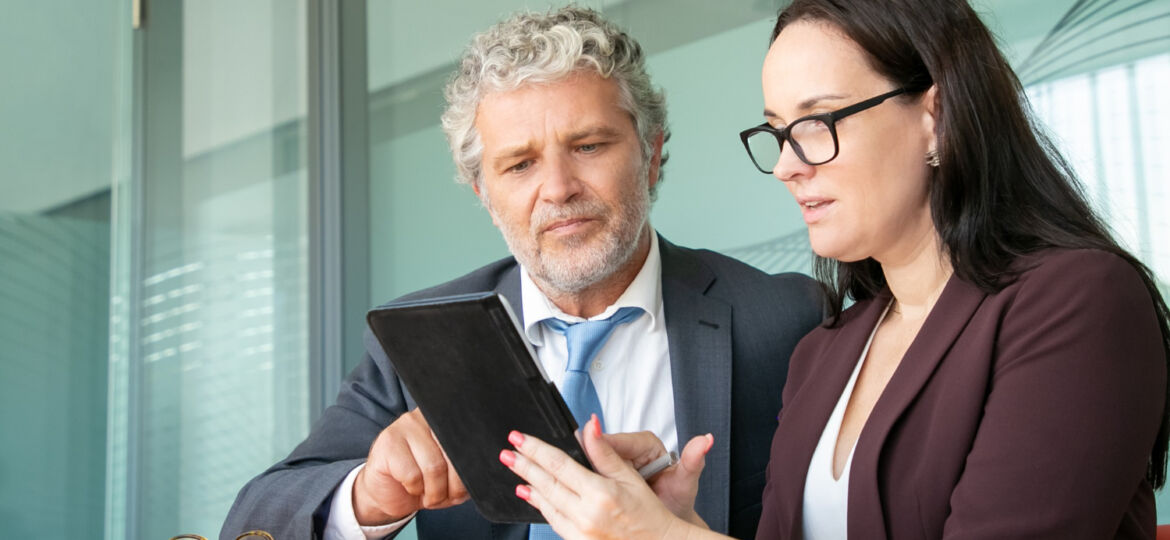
(824, 248)
(828, 250)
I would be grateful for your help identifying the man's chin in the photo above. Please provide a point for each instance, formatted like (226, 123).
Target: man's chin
(572, 271)
(569, 245)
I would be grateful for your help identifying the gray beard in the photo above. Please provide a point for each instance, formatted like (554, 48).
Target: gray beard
(589, 266)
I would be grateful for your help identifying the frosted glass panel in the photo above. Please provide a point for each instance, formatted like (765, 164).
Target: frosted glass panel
(54, 285)
(216, 382)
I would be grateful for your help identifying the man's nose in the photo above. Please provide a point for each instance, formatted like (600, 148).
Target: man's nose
(560, 182)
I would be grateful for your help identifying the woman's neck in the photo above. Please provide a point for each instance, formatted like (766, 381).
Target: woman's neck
(917, 277)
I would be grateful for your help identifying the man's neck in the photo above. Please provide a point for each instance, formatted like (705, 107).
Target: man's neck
(595, 298)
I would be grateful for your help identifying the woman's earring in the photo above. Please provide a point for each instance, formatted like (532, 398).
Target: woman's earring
(932, 158)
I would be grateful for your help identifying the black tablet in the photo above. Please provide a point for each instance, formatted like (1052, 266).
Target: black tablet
(475, 377)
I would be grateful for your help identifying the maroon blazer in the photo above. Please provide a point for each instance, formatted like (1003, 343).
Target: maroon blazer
(1028, 413)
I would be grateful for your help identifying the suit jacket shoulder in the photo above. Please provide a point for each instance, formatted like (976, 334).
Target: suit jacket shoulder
(746, 286)
(485, 278)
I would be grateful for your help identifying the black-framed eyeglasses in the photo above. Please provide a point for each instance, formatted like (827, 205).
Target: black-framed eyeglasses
(813, 137)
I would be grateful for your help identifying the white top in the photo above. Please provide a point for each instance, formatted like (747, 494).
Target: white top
(826, 499)
(631, 373)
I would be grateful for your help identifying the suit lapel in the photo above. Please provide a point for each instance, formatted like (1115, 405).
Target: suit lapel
(698, 329)
(509, 288)
(942, 327)
(509, 531)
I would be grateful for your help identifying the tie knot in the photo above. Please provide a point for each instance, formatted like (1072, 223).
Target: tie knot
(585, 338)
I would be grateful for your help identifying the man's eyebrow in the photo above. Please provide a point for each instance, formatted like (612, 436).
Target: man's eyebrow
(510, 152)
(594, 131)
(804, 105)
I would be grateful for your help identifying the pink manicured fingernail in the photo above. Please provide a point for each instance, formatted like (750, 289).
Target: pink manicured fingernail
(596, 427)
(507, 457)
(523, 492)
(516, 438)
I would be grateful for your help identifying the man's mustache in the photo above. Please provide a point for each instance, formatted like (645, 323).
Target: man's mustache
(546, 215)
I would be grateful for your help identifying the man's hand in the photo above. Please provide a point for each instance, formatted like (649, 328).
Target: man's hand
(676, 486)
(406, 471)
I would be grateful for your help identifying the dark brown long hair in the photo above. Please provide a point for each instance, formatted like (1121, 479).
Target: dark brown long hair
(1001, 189)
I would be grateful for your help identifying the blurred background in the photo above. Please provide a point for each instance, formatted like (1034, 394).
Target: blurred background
(200, 200)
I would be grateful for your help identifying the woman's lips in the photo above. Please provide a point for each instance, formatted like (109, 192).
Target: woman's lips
(815, 209)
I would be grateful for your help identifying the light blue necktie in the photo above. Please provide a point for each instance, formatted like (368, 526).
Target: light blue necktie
(583, 339)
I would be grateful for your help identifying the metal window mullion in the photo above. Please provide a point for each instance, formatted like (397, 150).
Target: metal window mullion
(325, 203)
(1145, 242)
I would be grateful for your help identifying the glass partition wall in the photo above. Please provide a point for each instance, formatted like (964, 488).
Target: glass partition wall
(214, 376)
(64, 118)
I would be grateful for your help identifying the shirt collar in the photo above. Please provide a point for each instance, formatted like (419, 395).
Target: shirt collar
(644, 292)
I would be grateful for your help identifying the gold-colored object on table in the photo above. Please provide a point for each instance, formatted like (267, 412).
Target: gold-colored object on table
(255, 535)
(250, 535)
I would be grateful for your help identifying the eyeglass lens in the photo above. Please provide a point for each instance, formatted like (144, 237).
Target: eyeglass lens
(812, 137)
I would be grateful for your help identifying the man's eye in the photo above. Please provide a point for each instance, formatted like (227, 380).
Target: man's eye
(589, 148)
(520, 167)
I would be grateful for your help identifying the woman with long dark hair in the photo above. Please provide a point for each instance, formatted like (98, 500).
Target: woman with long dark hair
(1003, 371)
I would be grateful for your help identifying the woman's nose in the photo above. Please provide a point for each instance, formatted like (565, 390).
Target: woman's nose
(789, 166)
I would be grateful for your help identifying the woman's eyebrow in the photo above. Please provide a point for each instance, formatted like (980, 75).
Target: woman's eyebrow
(805, 105)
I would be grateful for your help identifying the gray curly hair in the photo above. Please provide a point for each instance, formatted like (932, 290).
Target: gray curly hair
(547, 47)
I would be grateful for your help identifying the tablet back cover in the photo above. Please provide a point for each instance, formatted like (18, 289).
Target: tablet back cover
(475, 378)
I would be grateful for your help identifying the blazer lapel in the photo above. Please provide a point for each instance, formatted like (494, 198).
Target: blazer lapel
(699, 334)
(942, 327)
(805, 415)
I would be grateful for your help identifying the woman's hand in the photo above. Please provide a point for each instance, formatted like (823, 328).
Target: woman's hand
(617, 503)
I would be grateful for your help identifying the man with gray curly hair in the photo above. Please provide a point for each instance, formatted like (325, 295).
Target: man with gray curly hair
(554, 123)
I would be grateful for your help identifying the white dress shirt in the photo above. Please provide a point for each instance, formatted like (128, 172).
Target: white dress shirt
(631, 373)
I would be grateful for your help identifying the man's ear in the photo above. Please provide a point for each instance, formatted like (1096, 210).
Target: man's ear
(482, 194)
(656, 160)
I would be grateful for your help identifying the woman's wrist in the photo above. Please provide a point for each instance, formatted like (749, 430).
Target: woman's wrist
(695, 519)
(690, 527)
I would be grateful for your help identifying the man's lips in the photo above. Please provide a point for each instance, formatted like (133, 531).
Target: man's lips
(566, 225)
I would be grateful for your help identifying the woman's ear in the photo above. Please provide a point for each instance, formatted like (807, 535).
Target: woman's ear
(930, 111)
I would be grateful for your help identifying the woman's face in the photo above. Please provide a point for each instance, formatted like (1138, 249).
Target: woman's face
(872, 200)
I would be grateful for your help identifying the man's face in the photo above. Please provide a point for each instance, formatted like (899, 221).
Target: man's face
(563, 178)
